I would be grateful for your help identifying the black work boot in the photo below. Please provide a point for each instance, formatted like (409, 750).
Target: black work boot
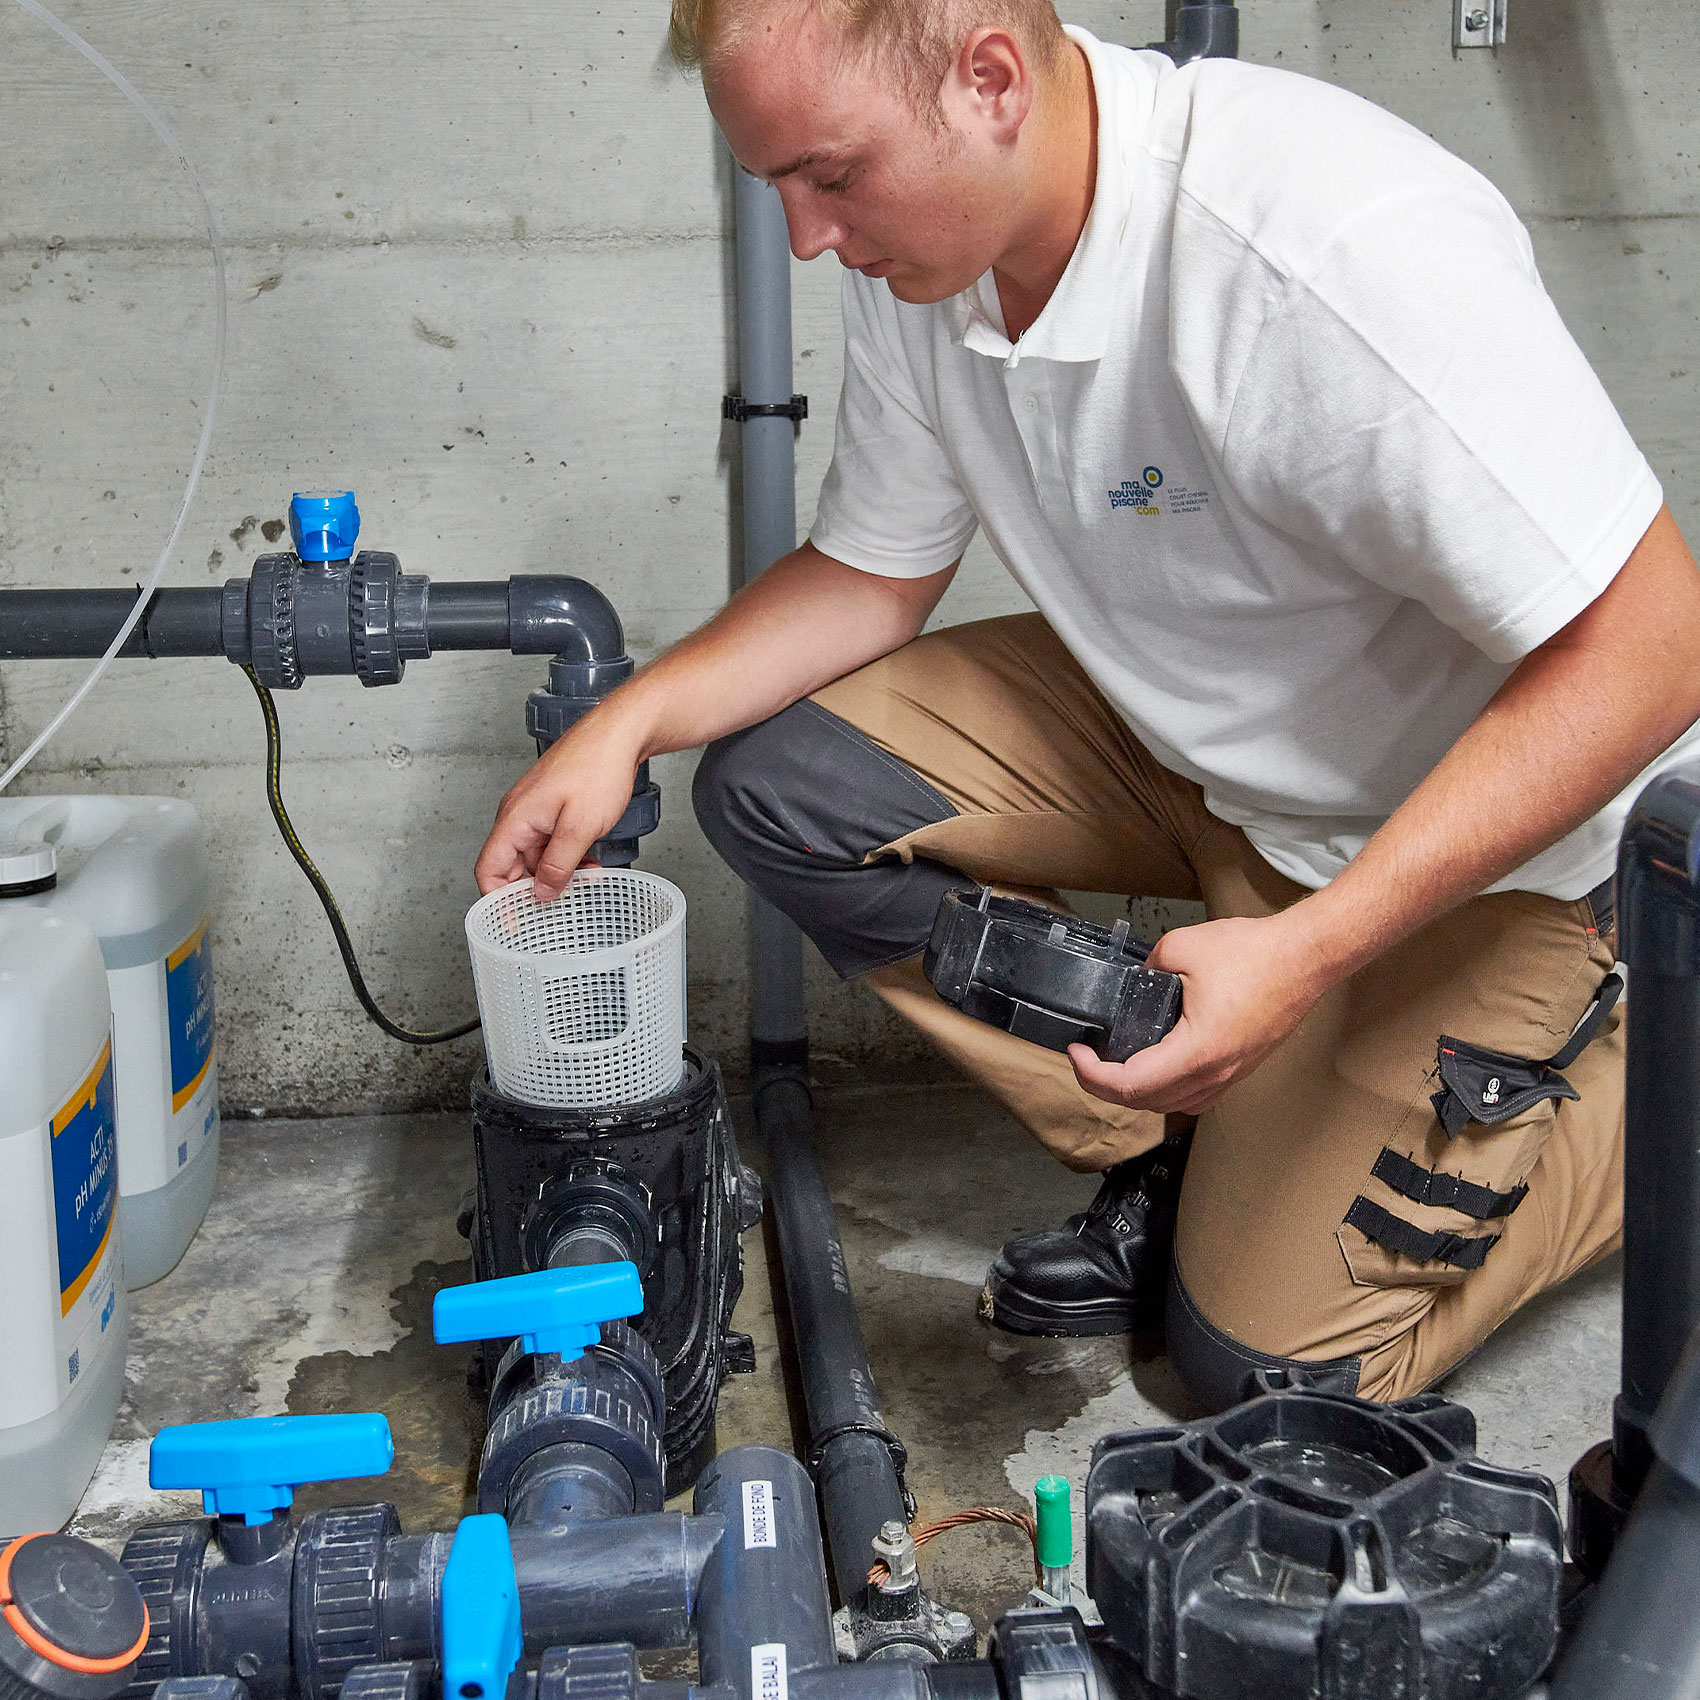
(1104, 1272)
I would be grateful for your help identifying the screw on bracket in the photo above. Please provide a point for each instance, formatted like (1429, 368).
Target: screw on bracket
(1478, 25)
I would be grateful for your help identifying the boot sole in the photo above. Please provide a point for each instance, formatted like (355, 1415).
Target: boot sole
(1005, 1306)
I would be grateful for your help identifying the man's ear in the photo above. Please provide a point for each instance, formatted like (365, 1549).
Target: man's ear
(990, 85)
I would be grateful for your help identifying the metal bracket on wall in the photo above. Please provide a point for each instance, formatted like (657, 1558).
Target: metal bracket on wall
(1478, 23)
(735, 408)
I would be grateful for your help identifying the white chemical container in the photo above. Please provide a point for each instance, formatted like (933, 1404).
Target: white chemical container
(134, 870)
(66, 1315)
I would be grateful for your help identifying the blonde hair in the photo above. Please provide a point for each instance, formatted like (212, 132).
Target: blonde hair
(917, 39)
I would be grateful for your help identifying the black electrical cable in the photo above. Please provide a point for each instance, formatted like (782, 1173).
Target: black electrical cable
(274, 796)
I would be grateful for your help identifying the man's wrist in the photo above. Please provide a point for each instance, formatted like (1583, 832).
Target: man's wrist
(1333, 934)
(622, 722)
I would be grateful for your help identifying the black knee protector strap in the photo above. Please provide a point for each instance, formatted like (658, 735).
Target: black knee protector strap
(1220, 1372)
(796, 803)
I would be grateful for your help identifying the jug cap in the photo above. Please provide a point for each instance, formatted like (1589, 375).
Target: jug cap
(26, 868)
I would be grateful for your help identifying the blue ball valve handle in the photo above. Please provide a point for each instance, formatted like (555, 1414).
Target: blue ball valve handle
(553, 1310)
(482, 1639)
(251, 1467)
(324, 524)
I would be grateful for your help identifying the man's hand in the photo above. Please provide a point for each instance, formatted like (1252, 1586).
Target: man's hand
(1544, 749)
(569, 799)
(1245, 985)
(807, 620)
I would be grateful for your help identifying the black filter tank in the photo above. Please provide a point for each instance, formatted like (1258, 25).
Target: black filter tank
(1312, 1546)
(659, 1183)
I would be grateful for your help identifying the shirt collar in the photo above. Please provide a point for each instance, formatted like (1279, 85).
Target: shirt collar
(1075, 323)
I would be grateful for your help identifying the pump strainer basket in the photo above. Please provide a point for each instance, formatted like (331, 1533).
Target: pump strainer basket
(583, 999)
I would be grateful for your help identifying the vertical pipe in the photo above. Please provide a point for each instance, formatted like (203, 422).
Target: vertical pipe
(1661, 1251)
(1659, 906)
(763, 1614)
(855, 1474)
(1640, 1639)
(778, 1034)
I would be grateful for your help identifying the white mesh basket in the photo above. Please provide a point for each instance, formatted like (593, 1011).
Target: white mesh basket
(583, 998)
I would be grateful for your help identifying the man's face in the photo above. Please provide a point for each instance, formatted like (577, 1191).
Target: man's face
(858, 170)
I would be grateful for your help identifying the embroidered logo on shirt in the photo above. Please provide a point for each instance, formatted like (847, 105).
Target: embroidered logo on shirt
(1134, 496)
(1141, 496)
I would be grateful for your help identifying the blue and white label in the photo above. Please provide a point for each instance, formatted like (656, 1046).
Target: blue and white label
(189, 1014)
(768, 1680)
(758, 1515)
(85, 1180)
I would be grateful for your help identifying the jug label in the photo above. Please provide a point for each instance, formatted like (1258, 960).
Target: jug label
(189, 1008)
(85, 1180)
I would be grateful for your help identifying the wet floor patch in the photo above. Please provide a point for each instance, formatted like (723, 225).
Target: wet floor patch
(316, 1233)
(929, 1182)
(436, 1419)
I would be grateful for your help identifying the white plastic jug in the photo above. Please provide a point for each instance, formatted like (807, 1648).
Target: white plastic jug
(133, 868)
(66, 1315)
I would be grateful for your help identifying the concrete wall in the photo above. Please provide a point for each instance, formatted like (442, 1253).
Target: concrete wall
(479, 272)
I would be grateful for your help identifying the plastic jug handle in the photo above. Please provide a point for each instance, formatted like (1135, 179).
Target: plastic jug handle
(40, 826)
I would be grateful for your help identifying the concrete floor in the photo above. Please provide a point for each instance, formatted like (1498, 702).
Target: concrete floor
(309, 1289)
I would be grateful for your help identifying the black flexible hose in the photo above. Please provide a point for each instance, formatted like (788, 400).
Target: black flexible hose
(274, 796)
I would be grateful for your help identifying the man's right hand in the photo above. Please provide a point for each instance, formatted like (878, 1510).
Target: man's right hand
(807, 620)
(571, 797)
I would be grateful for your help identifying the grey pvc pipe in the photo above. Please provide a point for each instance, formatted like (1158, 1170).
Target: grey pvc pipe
(1659, 927)
(770, 531)
(633, 1579)
(77, 624)
(529, 614)
(1201, 29)
(764, 1615)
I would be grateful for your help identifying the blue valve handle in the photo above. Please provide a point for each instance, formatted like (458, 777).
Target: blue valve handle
(251, 1467)
(482, 1640)
(324, 524)
(553, 1310)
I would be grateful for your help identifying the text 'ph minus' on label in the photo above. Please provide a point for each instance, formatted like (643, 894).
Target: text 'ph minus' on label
(758, 1519)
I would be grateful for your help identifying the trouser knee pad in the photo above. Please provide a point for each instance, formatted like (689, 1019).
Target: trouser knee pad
(797, 803)
(1219, 1371)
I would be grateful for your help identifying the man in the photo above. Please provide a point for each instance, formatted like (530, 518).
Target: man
(1360, 618)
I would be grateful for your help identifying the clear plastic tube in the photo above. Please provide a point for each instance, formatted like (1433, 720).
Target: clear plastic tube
(172, 146)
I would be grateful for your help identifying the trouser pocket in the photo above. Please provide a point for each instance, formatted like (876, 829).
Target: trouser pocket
(1436, 1200)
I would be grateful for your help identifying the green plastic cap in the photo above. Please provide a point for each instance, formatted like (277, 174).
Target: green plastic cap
(1056, 1527)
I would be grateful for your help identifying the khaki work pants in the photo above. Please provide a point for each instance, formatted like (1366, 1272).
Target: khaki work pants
(1052, 790)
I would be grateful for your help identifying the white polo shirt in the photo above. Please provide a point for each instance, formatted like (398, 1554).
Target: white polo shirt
(1299, 459)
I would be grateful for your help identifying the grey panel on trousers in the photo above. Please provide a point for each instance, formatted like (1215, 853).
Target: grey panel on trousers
(795, 803)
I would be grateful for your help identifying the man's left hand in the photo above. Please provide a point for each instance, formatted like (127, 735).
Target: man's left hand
(1245, 985)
